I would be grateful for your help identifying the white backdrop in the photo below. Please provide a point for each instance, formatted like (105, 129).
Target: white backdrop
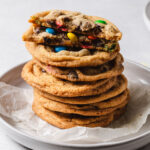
(126, 14)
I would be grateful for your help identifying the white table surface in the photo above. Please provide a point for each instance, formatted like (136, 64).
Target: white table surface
(126, 14)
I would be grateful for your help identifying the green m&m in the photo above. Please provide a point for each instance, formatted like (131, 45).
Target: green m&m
(100, 21)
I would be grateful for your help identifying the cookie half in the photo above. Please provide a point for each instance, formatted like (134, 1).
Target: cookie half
(39, 35)
(77, 22)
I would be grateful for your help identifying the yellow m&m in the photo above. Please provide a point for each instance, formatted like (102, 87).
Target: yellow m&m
(72, 37)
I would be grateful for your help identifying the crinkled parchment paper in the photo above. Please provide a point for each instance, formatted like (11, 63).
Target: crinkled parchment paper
(15, 103)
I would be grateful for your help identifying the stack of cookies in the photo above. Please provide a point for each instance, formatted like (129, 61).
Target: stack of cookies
(76, 70)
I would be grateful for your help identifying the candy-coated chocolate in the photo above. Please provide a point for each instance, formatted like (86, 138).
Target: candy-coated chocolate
(50, 30)
(60, 48)
(85, 46)
(63, 29)
(59, 24)
(91, 37)
(100, 21)
(72, 37)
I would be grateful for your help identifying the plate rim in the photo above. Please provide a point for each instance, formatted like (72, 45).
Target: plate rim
(105, 144)
(145, 15)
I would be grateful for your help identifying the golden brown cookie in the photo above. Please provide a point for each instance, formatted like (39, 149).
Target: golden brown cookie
(107, 70)
(108, 103)
(33, 74)
(64, 121)
(39, 35)
(77, 23)
(76, 71)
(68, 58)
(85, 110)
(118, 88)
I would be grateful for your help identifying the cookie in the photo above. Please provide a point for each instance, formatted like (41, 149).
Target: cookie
(70, 58)
(85, 110)
(76, 22)
(118, 88)
(64, 121)
(108, 103)
(107, 70)
(76, 69)
(41, 35)
(34, 76)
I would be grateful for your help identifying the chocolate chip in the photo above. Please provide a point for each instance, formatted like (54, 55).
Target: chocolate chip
(63, 36)
(73, 75)
(102, 45)
(104, 69)
(98, 44)
(39, 29)
(79, 105)
(67, 19)
(97, 29)
(46, 40)
(51, 22)
(92, 51)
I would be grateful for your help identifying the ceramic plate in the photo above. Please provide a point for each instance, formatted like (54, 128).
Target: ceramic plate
(147, 15)
(133, 71)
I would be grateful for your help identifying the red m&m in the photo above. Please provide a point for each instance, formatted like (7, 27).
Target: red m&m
(91, 37)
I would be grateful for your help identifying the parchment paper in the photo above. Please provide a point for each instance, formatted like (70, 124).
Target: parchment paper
(15, 103)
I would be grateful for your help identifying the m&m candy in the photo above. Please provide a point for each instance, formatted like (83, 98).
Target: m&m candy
(85, 46)
(50, 30)
(100, 21)
(72, 37)
(60, 48)
(64, 29)
(91, 37)
(58, 24)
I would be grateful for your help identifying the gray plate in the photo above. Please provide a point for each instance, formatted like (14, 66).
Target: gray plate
(133, 71)
(147, 15)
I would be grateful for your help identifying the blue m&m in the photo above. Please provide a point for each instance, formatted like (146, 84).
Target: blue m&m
(60, 48)
(50, 30)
